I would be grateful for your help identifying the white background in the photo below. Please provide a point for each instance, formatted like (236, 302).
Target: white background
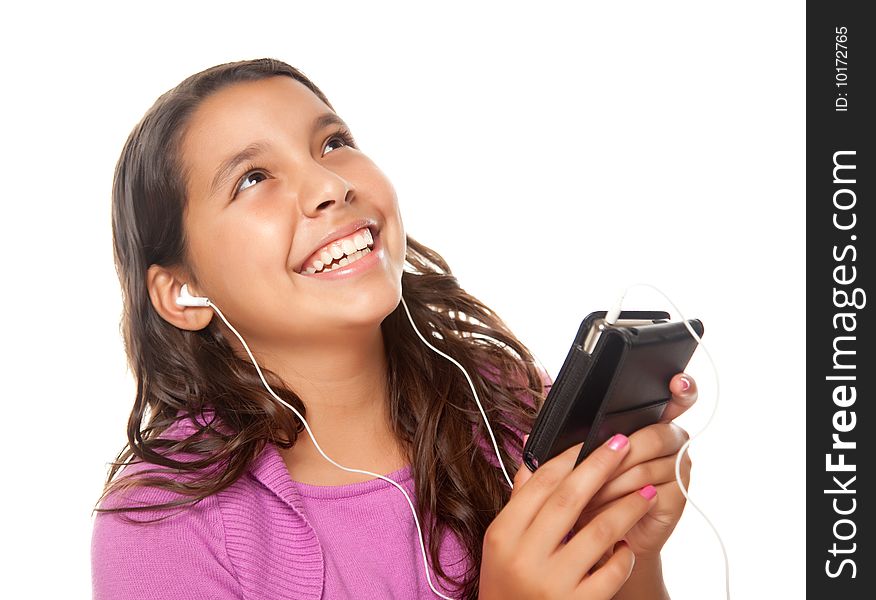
(553, 155)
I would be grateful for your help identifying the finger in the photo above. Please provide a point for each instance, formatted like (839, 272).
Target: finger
(588, 545)
(590, 514)
(654, 441)
(604, 558)
(673, 497)
(665, 482)
(684, 395)
(655, 471)
(560, 509)
(609, 578)
(658, 442)
(526, 500)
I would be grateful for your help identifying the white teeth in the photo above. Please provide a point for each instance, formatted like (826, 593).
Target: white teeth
(343, 262)
(344, 252)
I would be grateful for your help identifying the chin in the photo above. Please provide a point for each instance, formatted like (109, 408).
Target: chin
(371, 306)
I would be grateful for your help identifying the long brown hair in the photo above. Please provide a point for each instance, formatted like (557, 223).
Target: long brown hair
(181, 373)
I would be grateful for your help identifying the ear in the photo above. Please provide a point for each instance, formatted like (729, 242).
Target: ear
(164, 287)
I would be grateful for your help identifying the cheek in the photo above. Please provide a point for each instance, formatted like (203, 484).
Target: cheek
(259, 237)
(401, 250)
(377, 188)
(395, 240)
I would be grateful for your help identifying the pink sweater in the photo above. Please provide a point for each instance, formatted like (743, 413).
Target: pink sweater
(269, 537)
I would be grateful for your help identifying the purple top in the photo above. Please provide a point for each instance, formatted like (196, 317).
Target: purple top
(268, 537)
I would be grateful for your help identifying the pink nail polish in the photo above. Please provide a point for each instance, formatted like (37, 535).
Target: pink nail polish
(685, 384)
(648, 492)
(618, 441)
(525, 437)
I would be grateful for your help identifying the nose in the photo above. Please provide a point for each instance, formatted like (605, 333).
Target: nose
(327, 188)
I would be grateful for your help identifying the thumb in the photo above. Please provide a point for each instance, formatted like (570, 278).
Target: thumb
(523, 473)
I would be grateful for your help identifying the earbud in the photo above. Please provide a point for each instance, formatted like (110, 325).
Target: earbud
(186, 299)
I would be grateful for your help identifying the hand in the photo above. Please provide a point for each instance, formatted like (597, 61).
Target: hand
(651, 459)
(523, 553)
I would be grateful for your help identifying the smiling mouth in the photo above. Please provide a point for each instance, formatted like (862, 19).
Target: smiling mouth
(340, 253)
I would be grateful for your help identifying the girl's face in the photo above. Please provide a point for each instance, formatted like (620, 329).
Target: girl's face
(255, 222)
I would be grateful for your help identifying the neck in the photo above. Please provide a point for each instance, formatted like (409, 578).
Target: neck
(342, 382)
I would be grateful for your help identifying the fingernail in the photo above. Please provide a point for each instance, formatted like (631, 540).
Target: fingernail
(525, 437)
(618, 441)
(648, 492)
(685, 384)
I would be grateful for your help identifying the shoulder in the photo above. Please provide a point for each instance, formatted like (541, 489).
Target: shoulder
(169, 558)
(180, 553)
(160, 553)
(247, 540)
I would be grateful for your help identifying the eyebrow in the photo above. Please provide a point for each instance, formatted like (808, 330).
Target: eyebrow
(258, 147)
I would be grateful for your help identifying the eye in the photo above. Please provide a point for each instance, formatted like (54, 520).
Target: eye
(343, 135)
(251, 171)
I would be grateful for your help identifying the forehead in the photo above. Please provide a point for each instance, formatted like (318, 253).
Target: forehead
(279, 109)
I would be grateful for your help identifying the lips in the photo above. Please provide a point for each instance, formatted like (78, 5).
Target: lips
(337, 234)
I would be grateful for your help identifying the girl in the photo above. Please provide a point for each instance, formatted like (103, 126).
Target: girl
(244, 185)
